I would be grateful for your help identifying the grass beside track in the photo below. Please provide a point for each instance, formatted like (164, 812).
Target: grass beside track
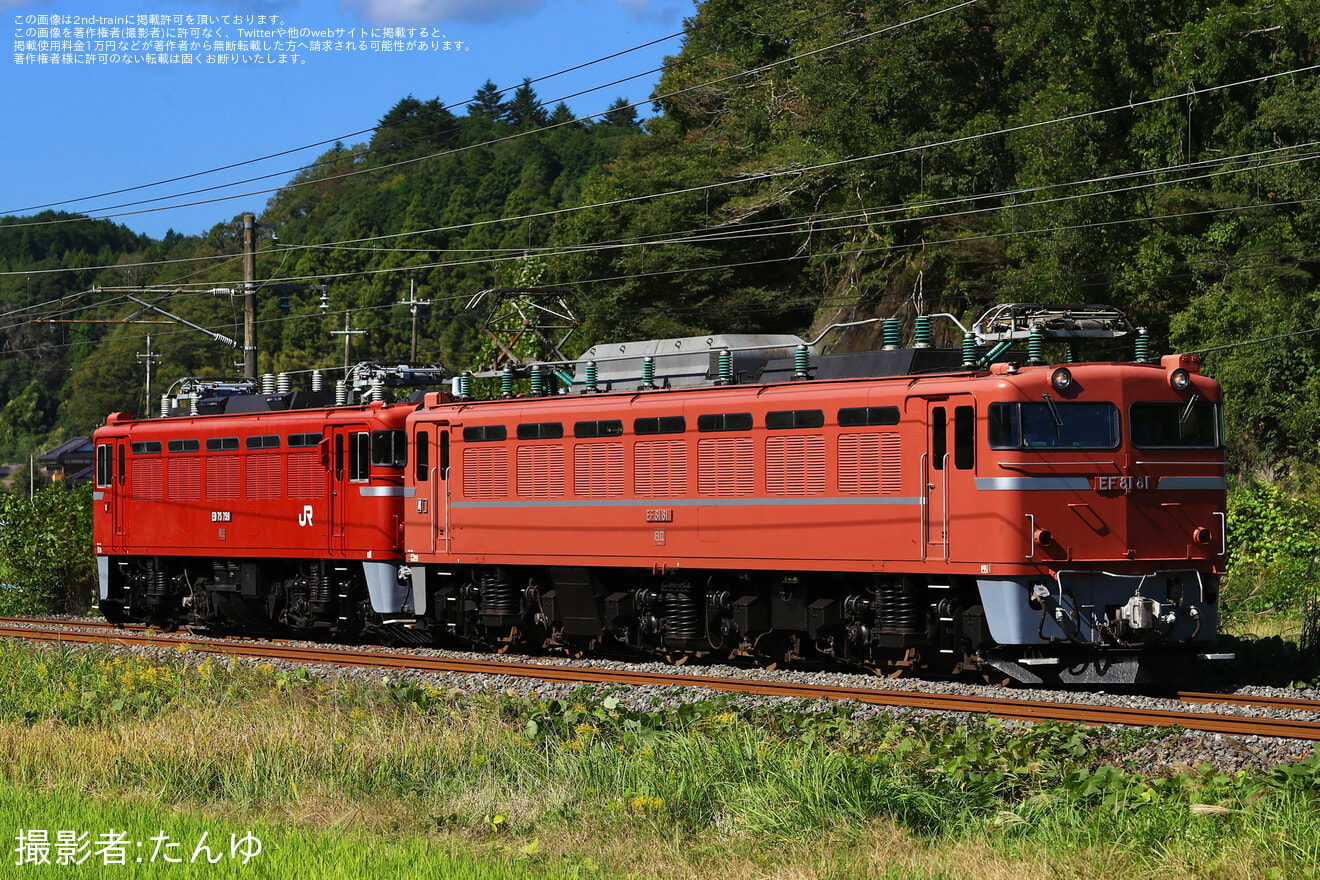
(350, 779)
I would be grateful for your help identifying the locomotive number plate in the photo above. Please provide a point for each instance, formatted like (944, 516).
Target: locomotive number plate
(1120, 484)
(660, 515)
(219, 516)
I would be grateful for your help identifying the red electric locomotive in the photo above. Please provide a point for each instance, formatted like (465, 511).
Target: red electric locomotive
(258, 510)
(1041, 522)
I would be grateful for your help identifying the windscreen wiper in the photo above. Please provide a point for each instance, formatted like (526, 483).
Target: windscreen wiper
(1054, 413)
(1187, 414)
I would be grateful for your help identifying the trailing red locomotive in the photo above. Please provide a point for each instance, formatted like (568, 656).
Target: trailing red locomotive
(249, 509)
(899, 510)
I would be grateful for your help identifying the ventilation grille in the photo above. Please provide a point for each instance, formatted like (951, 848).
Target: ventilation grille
(795, 466)
(306, 476)
(598, 470)
(146, 480)
(222, 478)
(660, 468)
(486, 472)
(870, 464)
(185, 483)
(725, 467)
(265, 478)
(540, 472)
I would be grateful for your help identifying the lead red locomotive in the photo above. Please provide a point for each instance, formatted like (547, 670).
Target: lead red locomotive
(904, 509)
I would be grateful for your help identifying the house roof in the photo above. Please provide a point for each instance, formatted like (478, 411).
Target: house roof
(72, 446)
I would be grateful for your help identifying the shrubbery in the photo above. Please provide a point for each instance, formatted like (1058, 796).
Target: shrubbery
(46, 560)
(1273, 541)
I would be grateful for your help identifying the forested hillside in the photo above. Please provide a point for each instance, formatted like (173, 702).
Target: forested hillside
(806, 163)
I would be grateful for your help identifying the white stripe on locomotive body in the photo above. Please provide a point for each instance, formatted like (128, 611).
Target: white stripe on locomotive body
(691, 502)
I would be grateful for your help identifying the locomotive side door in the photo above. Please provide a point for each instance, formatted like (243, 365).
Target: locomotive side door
(109, 491)
(350, 465)
(948, 466)
(118, 494)
(431, 478)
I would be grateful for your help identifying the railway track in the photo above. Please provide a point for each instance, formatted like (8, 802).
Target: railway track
(79, 632)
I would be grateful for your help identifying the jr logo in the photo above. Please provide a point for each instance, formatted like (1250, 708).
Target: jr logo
(305, 518)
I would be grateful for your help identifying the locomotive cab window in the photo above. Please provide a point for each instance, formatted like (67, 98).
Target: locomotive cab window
(359, 457)
(1194, 424)
(105, 466)
(389, 448)
(1053, 425)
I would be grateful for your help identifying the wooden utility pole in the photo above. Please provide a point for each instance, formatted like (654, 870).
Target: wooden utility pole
(249, 296)
(413, 302)
(348, 333)
(149, 358)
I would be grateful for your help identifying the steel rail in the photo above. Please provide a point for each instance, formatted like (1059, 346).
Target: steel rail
(1292, 704)
(1012, 709)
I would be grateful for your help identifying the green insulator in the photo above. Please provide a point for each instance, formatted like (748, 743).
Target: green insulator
(1036, 348)
(1074, 353)
(969, 351)
(506, 382)
(725, 368)
(893, 334)
(465, 385)
(1142, 345)
(801, 363)
(924, 337)
(994, 354)
(538, 380)
(648, 372)
(591, 378)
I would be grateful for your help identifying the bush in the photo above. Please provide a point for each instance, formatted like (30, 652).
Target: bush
(47, 564)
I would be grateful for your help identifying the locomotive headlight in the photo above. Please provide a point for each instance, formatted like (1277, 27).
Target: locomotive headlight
(1179, 379)
(1061, 379)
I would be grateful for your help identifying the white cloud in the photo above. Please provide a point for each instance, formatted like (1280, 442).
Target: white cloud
(416, 12)
(650, 10)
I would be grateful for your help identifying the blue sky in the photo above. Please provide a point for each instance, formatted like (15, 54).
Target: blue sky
(73, 131)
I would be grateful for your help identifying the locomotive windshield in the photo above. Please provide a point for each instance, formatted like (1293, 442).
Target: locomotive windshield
(1193, 424)
(1053, 425)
